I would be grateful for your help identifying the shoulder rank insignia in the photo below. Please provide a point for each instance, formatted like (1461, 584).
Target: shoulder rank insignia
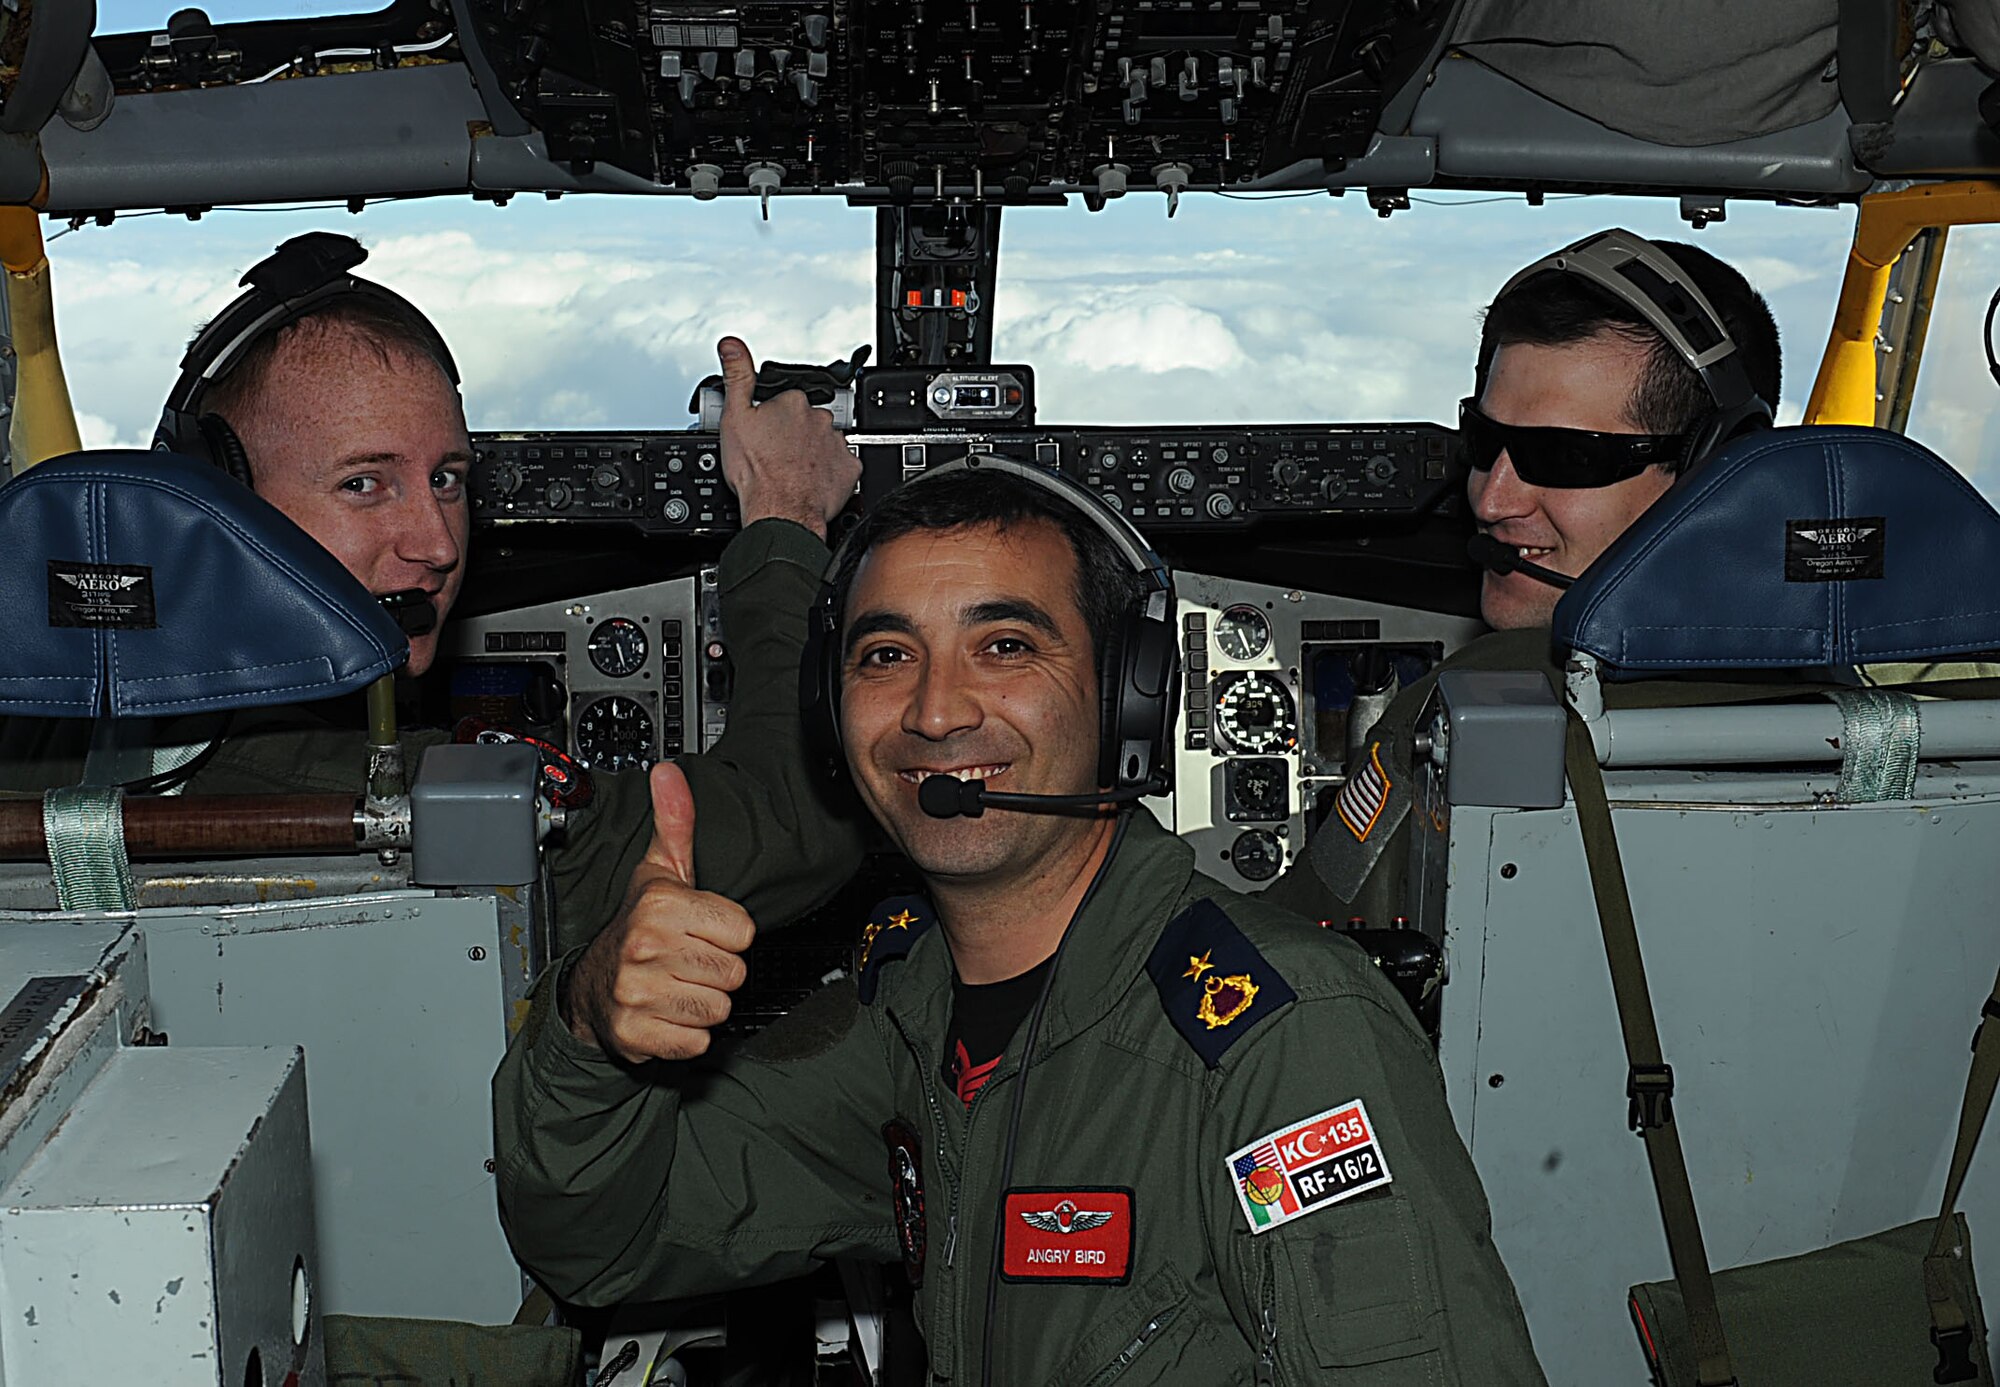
(893, 927)
(1214, 984)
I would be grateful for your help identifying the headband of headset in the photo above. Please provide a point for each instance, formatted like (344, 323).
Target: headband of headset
(1647, 280)
(1138, 667)
(302, 276)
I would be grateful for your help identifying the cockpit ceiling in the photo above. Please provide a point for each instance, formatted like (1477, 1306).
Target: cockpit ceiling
(1017, 100)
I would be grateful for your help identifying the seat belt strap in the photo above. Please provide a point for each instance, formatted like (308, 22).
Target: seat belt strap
(1951, 1321)
(84, 826)
(1649, 1083)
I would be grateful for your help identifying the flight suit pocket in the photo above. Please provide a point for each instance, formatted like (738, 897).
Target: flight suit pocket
(1154, 1334)
(1363, 1285)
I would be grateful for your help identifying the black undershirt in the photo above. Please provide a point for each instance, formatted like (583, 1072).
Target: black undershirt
(984, 1017)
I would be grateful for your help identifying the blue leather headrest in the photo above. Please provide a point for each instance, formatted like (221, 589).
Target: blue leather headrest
(1796, 548)
(145, 584)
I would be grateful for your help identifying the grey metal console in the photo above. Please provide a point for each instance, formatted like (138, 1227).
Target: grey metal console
(1815, 967)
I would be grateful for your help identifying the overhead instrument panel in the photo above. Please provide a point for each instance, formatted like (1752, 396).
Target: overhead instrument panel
(916, 99)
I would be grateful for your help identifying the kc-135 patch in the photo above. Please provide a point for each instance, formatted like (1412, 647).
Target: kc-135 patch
(1326, 1158)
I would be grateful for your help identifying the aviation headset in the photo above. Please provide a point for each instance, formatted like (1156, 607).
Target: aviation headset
(1647, 280)
(301, 277)
(1137, 668)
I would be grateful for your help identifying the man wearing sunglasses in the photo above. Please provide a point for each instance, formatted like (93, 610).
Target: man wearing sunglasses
(1586, 413)
(1601, 378)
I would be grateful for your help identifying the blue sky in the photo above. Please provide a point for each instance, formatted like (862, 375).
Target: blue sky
(602, 312)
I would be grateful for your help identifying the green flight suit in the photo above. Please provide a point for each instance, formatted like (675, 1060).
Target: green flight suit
(665, 1181)
(1358, 861)
(768, 831)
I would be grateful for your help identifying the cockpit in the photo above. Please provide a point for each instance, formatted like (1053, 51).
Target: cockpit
(1691, 874)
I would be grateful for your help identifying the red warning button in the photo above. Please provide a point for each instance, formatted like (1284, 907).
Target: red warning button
(1068, 1235)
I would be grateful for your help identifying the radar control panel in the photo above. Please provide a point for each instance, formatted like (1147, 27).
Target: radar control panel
(1196, 477)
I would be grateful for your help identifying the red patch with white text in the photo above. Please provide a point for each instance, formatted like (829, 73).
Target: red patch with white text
(1068, 1235)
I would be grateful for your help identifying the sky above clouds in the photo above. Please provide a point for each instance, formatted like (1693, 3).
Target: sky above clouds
(603, 312)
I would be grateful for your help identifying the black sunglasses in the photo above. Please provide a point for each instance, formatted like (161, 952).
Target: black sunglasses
(1563, 457)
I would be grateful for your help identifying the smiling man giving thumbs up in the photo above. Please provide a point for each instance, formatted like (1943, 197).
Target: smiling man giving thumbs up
(653, 984)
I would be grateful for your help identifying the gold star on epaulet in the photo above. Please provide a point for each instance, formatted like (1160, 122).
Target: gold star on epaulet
(891, 932)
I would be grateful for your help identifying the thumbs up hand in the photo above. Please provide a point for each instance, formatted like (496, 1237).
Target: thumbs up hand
(655, 983)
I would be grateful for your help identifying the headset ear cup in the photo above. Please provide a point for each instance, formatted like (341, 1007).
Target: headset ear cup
(225, 449)
(1139, 704)
(1719, 428)
(1112, 673)
(1153, 692)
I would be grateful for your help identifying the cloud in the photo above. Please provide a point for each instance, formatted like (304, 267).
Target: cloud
(99, 432)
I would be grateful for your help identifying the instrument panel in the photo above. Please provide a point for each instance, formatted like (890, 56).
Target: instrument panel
(618, 680)
(1190, 478)
(1279, 687)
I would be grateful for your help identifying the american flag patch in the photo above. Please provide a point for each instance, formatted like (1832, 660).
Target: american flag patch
(1363, 798)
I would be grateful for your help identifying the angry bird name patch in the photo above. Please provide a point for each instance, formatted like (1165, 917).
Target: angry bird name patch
(1075, 1234)
(1326, 1158)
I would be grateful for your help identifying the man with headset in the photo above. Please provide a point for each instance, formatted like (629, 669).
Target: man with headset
(1236, 1162)
(1605, 371)
(336, 400)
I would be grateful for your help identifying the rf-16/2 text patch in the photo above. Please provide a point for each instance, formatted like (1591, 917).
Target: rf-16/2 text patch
(1328, 1157)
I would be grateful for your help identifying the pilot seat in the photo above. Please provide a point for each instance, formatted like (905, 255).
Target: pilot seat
(1807, 804)
(169, 953)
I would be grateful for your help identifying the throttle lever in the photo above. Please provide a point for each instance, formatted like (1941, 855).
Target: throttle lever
(830, 387)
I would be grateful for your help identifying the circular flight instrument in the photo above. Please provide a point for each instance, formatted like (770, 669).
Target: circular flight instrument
(1242, 633)
(614, 733)
(1257, 787)
(618, 647)
(1257, 854)
(1254, 714)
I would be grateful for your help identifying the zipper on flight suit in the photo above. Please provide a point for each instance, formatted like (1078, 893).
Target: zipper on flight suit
(1267, 1356)
(951, 1210)
(937, 1130)
(1110, 1371)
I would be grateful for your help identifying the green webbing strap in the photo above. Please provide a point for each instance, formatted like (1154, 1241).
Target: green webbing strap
(1947, 1315)
(1881, 733)
(1650, 1082)
(168, 759)
(85, 829)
